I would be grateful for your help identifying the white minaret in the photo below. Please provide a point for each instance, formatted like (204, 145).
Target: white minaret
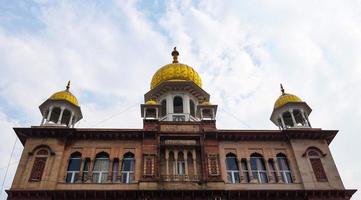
(61, 109)
(290, 112)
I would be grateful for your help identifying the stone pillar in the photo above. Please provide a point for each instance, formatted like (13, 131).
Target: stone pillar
(243, 179)
(293, 118)
(90, 172)
(81, 170)
(279, 177)
(110, 171)
(194, 156)
(120, 175)
(185, 156)
(71, 119)
(49, 114)
(250, 173)
(268, 171)
(61, 115)
(176, 162)
(167, 163)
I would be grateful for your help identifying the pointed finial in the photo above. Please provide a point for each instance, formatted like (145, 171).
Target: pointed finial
(175, 55)
(282, 90)
(68, 85)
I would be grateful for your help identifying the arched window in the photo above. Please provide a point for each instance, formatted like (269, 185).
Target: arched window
(39, 165)
(128, 168)
(258, 168)
(245, 170)
(178, 104)
(287, 118)
(163, 109)
(299, 118)
(66, 117)
(73, 170)
(86, 169)
(181, 164)
(55, 113)
(272, 169)
(192, 108)
(314, 155)
(115, 169)
(101, 167)
(284, 168)
(232, 168)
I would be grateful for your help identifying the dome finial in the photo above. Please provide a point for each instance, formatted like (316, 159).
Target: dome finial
(68, 85)
(282, 90)
(175, 55)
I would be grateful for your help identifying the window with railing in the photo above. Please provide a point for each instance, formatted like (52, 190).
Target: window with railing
(284, 168)
(232, 168)
(73, 171)
(258, 168)
(128, 168)
(101, 167)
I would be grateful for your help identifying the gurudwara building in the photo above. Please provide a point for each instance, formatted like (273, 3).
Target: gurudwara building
(179, 153)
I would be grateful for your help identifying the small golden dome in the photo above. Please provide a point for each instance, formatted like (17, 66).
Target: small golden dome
(175, 71)
(65, 95)
(151, 102)
(286, 98)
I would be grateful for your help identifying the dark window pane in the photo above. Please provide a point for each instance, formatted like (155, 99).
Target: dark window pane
(74, 164)
(231, 163)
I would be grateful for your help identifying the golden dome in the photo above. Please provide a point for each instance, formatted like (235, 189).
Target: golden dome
(65, 95)
(151, 102)
(286, 98)
(175, 71)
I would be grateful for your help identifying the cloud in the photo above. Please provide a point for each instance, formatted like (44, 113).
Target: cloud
(242, 50)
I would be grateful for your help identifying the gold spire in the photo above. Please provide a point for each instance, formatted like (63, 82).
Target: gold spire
(175, 55)
(282, 90)
(68, 85)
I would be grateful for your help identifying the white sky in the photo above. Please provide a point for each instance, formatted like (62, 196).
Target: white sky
(243, 50)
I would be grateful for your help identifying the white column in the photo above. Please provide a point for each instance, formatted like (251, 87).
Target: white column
(42, 121)
(293, 118)
(194, 163)
(71, 119)
(250, 173)
(283, 122)
(304, 118)
(61, 115)
(156, 113)
(169, 107)
(49, 114)
(186, 108)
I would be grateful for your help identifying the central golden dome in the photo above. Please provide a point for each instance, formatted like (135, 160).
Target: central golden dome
(175, 71)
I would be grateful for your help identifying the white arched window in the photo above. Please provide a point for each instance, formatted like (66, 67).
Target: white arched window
(73, 171)
(178, 104)
(258, 168)
(101, 167)
(232, 168)
(128, 168)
